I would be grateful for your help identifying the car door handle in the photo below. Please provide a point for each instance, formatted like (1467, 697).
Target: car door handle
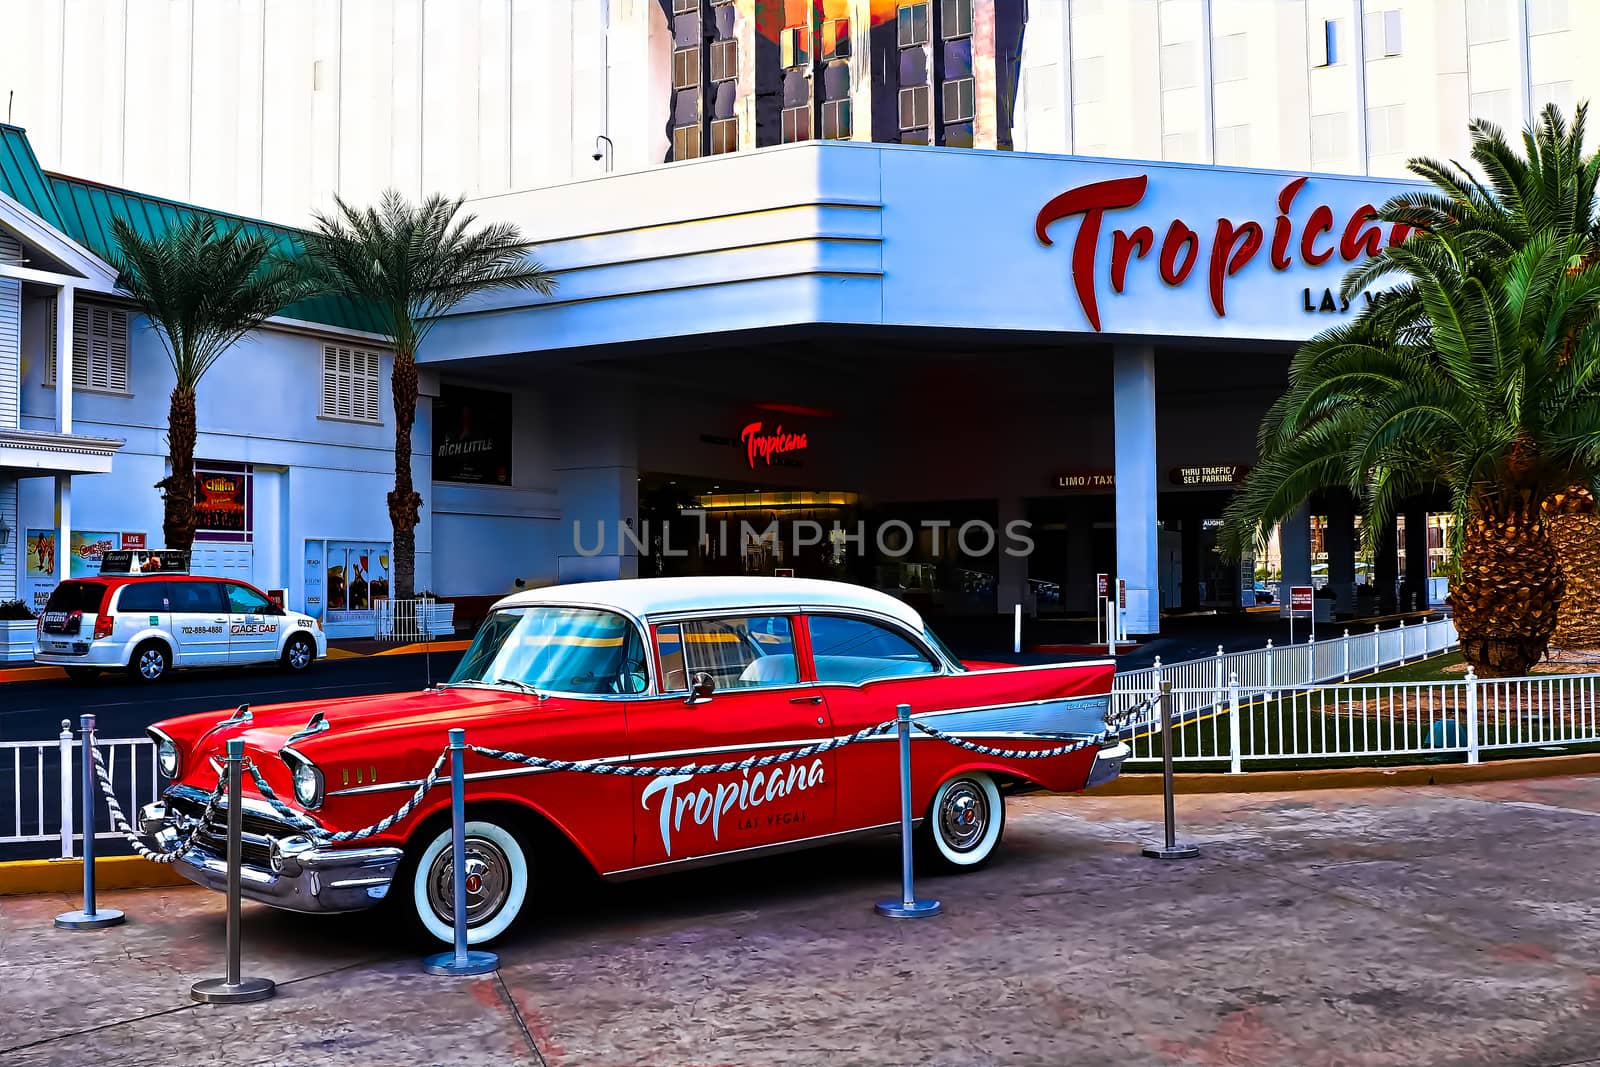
(805, 700)
(219, 620)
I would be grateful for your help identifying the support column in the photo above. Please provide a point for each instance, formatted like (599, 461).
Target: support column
(1340, 538)
(1385, 567)
(64, 317)
(598, 485)
(1414, 596)
(1294, 550)
(1134, 414)
(1011, 585)
(63, 526)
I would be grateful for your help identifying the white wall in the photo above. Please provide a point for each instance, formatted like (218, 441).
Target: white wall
(269, 107)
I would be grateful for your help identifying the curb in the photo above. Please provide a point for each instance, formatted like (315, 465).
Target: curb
(1131, 785)
(40, 674)
(66, 876)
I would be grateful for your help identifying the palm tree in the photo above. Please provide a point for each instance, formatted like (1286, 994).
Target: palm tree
(410, 264)
(1490, 391)
(203, 287)
(1548, 188)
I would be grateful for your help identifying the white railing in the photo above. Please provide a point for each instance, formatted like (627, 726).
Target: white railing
(415, 620)
(1295, 725)
(1201, 685)
(44, 802)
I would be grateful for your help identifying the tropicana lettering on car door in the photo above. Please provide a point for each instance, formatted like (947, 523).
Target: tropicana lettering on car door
(1233, 244)
(707, 806)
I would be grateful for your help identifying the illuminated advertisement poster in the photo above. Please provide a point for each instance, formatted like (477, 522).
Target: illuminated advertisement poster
(472, 436)
(87, 547)
(40, 576)
(222, 504)
(346, 580)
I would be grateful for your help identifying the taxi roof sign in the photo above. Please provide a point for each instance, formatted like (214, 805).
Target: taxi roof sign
(144, 561)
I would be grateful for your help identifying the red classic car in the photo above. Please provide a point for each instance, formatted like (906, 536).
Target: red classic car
(656, 672)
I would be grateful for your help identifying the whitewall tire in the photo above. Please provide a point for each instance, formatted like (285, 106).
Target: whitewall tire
(497, 883)
(965, 821)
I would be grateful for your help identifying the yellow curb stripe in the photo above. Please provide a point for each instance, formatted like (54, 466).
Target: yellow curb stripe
(30, 674)
(1355, 777)
(437, 646)
(66, 876)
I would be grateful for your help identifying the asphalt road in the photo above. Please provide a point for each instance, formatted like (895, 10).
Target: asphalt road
(123, 708)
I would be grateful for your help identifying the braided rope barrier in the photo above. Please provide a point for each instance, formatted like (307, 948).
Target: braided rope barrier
(1008, 753)
(600, 766)
(317, 833)
(119, 820)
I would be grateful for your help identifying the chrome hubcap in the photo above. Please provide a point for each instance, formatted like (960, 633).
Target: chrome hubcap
(488, 882)
(963, 816)
(152, 663)
(299, 655)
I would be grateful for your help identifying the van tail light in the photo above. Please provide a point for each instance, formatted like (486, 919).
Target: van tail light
(102, 626)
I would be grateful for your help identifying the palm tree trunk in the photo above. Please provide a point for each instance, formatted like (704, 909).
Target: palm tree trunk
(1575, 531)
(405, 503)
(1506, 601)
(177, 489)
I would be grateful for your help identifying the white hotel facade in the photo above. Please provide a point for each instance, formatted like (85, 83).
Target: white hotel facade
(1054, 275)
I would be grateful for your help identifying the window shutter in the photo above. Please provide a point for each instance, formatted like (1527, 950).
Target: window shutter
(50, 345)
(350, 384)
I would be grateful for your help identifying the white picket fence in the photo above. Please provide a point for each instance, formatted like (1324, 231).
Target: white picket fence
(44, 802)
(1200, 686)
(415, 620)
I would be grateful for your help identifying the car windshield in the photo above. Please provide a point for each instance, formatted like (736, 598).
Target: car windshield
(944, 649)
(556, 650)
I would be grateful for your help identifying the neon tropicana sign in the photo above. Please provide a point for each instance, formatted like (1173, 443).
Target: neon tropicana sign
(763, 446)
(1232, 244)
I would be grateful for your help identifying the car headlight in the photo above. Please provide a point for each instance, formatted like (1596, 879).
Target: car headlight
(307, 779)
(166, 753)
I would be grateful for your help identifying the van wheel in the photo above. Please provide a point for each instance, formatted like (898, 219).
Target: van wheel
(150, 662)
(965, 822)
(299, 653)
(499, 873)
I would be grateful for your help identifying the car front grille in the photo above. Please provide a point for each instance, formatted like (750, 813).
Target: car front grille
(256, 835)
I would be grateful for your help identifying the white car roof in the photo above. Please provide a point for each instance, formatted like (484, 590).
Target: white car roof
(662, 596)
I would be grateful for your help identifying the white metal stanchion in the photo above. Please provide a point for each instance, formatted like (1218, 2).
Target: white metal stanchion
(1016, 631)
(233, 989)
(908, 906)
(89, 918)
(1235, 731)
(460, 960)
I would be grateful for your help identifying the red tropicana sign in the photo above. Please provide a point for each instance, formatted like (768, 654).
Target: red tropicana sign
(1232, 244)
(762, 445)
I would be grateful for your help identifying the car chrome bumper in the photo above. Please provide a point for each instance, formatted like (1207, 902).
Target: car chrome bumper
(1107, 764)
(308, 879)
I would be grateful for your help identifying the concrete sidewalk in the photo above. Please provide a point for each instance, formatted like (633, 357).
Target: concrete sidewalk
(1364, 927)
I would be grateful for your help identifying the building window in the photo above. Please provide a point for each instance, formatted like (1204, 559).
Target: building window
(99, 348)
(686, 142)
(913, 25)
(1381, 34)
(686, 68)
(835, 38)
(1547, 16)
(836, 120)
(796, 124)
(1386, 130)
(349, 384)
(724, 136)
(1088, 79)
(1327, 137)
(1229, 58)
(958, 100)
(724, 60)
(1486, 21)
(1233, 145)
(1329, 44)
(1557, 93)
(1178, 67)
(1183, 146)
(685, 7)
(795, 47)
(956, 18)
(1493, 106)
(914, 107)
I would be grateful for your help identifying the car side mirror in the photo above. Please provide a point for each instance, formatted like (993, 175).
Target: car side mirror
(701, 687)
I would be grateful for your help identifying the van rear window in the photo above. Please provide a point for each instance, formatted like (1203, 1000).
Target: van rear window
(77, 596)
